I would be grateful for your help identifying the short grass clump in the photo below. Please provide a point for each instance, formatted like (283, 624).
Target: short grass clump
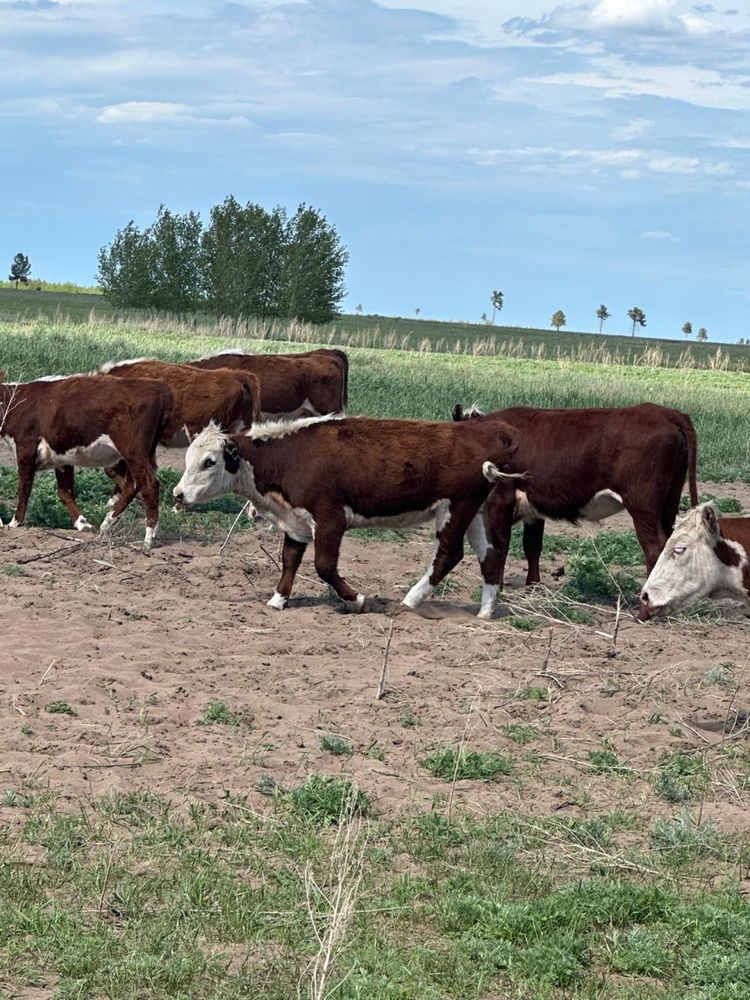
(339, 746)
(607, 761)
(465, 764)
(521, 733)
(59, 708)
(220, 714)
(682, 777)
(683, 839)
(325, 799)
(590, 579)
(521, 623)
(533, 694)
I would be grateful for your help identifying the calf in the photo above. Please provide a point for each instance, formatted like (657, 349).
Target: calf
(292, 385)
(90, 421)
(704, 557)
(316, 477)
(592, 463)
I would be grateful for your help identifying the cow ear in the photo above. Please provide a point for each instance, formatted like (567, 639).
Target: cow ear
(458, 412)
(231, 456)
(710, 522)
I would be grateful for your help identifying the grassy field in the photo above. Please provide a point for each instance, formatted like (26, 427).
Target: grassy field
(132, 896)
(425, 385)
(87, 306)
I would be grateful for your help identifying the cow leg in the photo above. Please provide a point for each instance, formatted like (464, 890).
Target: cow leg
(671, 506)
(118, 474)
(651, 535)
(26, 470)
(291, 557)
(479, 537)
(146, 483)
(329, 530)
(451, 526)
(498, 510)
(66, 491)
(533, 540)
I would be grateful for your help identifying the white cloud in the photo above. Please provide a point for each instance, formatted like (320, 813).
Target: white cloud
(659, 234)
(635, 128)
(142, 111)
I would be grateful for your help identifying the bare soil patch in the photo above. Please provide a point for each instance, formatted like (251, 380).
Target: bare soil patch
(137, 645)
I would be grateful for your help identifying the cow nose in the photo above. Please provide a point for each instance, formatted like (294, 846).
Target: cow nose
(177, 493)
(644, 596)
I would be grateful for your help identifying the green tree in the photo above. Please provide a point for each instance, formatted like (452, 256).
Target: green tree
(126, 270)
(702, 334)
(242, 261)
(20, 270)
(497, 304)
(687, 329)
(558, 320)
(602, 314)
(638, 317)
(311, 283)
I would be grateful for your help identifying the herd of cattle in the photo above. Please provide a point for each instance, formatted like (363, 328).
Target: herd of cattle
(273, 429)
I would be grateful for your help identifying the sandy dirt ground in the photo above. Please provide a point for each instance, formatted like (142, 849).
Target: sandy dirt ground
(138, 644)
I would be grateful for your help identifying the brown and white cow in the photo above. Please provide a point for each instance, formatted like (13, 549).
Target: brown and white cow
(704, 557)
(90, 421)
(318, 476)
(592, 463)
(292, 385)
(228, 397)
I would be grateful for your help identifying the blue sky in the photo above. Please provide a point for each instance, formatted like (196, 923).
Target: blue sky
(567, 154)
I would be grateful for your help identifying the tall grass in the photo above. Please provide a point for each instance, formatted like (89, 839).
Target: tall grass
(412, 384)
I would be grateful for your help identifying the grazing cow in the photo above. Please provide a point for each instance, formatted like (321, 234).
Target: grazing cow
(318, 476)
(292, 385)
(592, 463)
(704, 557)
(90, 421)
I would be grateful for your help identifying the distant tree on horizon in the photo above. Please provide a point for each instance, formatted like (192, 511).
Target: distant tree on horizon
(638, 316)
(702, 335)
(417, 311)
(687, 329)
(497, 304)
(484, 318)
(602, 314)
(558, 320)
(20, 270)
(358, 309)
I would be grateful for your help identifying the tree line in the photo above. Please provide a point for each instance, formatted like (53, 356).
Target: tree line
(247, 261)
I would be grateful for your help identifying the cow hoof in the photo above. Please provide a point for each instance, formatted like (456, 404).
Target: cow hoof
(277, 601)
(485, 614)
(357, 604)
(107, 523)
(13, 523)
(111, 502)
(82, 524)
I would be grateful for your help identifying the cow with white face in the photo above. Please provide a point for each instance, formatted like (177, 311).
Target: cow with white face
(314, 478)
(704, 557)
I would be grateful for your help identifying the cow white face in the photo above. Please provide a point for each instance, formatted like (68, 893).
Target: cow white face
(688, 568)
(212, 462)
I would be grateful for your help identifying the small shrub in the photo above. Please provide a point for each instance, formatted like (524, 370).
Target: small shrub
(467, 764)
(534, 694)
(219, 713)
(722, 673)
(641, 951)
(408, 720)
(59, 708)
(521, 733)
(606, 761)
(327, 800)
(339, 746)
(681, 777)
(13, 569)
(593, 832)
(522, 624)
(683, 840)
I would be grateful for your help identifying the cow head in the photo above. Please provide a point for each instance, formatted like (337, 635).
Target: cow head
(688, 567)
(212, 462)
(468, 413)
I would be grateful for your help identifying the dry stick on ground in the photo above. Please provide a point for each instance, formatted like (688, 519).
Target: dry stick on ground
(613, 651)
(65, 550)
(234, 525)
(544, 672)
(381, 683)
(460, 751)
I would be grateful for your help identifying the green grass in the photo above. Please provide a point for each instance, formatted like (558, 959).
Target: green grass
(465, 764)
(339, 746)
(413, 384)
(219, 713)
(213, 900)
(59, 708)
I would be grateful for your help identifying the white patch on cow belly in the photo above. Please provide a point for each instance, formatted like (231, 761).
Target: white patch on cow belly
(409, 519)
(99, 453)
(603, 504)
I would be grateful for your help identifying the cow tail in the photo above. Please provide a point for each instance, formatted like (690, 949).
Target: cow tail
(169, 423)
(251, 387)
(345, 382)
(691, 439)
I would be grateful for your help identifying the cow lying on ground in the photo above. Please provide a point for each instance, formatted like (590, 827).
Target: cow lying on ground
(592, 463)
(316, 477)
(90, 421)
(704, 557)
(292, 385)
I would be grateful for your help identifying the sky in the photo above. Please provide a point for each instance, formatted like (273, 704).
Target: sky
(567, 155)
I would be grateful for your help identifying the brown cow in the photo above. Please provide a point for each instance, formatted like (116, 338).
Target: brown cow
(292, 385)
(90, 421)
(705, 556)
(230, 398)
(316, 477)
(592, 463)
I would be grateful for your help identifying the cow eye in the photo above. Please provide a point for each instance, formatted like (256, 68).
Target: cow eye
(208, 463)
(678, 550)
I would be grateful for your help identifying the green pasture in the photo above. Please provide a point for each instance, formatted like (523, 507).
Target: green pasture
(425, 385)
